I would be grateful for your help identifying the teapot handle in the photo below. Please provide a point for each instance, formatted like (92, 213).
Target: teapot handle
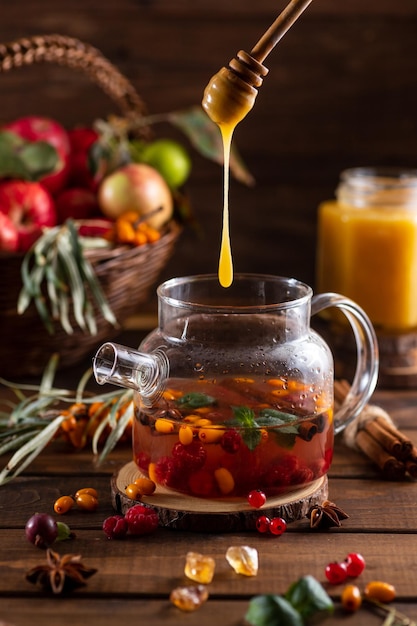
(366, 374)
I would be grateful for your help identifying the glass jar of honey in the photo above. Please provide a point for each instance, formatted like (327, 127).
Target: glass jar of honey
(367, 244)
(367, 250)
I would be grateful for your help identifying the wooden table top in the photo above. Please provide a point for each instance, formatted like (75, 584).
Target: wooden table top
(136, 575)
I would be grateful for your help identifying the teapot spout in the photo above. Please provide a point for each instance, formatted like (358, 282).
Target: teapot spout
(125, 367)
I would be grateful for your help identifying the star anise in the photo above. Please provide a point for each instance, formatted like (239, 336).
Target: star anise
(325, 515)
(60, 573)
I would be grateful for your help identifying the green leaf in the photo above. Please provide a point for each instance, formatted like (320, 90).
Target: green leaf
(251, 433)
(39, 158)
(57, 261)
(206, 139)
(272, 610)
(245, 416)
(195, 400)
(27, 160)
(285, 436)
(309, 598)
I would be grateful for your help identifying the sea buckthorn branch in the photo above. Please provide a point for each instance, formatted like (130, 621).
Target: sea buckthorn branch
(43, 413)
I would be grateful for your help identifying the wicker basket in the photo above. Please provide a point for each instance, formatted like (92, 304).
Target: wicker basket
(126, 274)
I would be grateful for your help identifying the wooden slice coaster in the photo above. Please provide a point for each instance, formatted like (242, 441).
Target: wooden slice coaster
(183, 512)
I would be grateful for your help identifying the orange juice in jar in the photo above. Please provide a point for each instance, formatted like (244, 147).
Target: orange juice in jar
(367, 245)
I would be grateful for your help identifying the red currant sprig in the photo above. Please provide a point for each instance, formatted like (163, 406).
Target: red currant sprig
(336, 573)
(355, 564)
(275, 526)
(352, 566)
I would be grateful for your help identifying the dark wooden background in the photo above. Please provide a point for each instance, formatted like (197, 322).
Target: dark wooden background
(342, 92)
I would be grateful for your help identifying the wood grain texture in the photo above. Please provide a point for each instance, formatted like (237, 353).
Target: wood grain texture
(135, 576)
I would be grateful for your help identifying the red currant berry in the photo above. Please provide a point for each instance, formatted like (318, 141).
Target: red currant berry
(262, 524)
(115, 527)
(278, 526)
(355, 564)
(256, 498)
(141, 520)
(336, 573)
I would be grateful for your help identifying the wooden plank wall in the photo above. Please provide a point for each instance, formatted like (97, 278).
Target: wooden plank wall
(342, 92)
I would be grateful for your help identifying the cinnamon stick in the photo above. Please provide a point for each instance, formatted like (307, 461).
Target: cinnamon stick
(390, 442)
(411, 467)
(307, 430)
(388, 464)
(406, 443)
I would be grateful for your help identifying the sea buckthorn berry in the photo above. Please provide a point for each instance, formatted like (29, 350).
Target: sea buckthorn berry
(351, 598)
(256, 498)
(192, 418)
(185, 434)
(86, 502)
(171, 394)
(355, 564)
(133, 491)
(277, 526)
(202, 422)
(164, 426)
(146, 486)
(264, 435)
(262, 524)
(64, 504)
(89, 490)
(380, 591)
(225, 480)
(336, 573)
(152, 472)
(210, 435)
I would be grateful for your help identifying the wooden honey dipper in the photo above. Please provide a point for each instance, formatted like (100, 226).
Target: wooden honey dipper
(231, 93)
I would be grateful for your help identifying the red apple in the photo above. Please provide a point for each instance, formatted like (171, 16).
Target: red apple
(9, 239)
(137, 187)
(81, 139)
(76, 202)
(95, 227)
(30, 208)
(35, 128)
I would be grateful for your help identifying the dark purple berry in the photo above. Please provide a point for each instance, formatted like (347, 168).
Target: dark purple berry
(41, 530)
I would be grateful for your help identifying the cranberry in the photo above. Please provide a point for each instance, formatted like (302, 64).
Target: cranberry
(256, 498)
(141, 520)
(277, 526)
(115, 527)
(355, 564)
(336, 573)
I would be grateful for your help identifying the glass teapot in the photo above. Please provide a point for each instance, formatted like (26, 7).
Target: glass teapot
(234, 390)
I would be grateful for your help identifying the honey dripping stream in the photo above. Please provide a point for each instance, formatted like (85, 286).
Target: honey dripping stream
(225, 271)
